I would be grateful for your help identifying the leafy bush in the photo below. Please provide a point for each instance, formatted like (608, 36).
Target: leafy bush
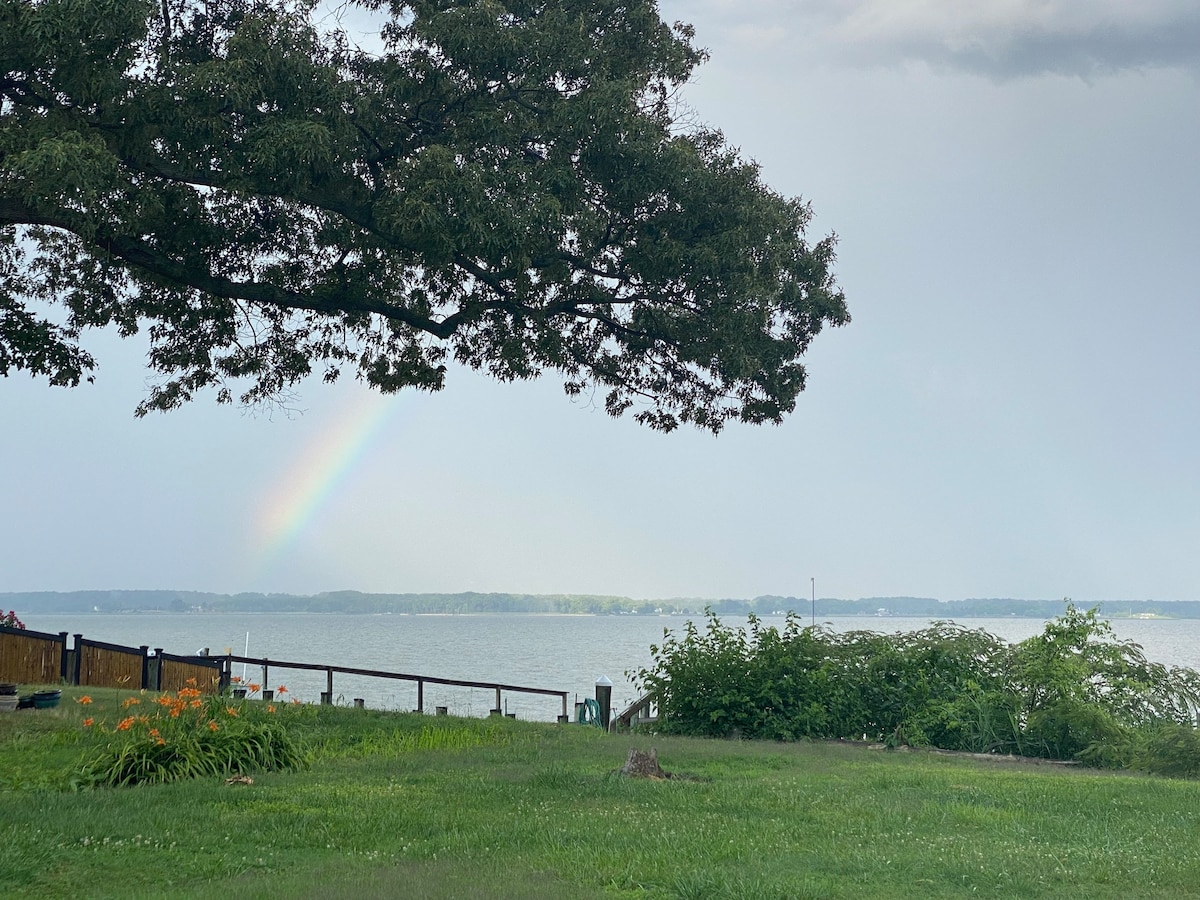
(1169, 749)
(1073, 691)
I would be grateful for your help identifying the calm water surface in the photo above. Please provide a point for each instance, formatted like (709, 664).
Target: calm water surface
(563, 653)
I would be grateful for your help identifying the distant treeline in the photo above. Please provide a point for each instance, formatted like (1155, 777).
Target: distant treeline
(357, 602)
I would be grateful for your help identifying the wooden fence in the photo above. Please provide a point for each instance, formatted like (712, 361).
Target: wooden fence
(99, 664)
(32, 657)
(175, 672)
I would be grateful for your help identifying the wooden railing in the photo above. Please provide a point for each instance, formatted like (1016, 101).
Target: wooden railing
(643, 711)
(265, 665)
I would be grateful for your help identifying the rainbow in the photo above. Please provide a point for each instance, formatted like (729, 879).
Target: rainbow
(298, 496)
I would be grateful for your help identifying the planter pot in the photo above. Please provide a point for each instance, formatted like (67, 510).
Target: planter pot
(8, 702)
(25, 702)
(46, 699)
(7, 688)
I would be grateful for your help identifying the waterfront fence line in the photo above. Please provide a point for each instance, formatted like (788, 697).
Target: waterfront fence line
(35, 657)
(265, 665)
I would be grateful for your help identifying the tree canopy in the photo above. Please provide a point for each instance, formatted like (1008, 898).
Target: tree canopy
(507, 183)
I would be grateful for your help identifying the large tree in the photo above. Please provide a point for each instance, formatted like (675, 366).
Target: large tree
(505, 182)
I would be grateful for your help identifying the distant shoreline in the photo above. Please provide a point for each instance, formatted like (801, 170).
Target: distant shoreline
(476, 603)
(581, 615)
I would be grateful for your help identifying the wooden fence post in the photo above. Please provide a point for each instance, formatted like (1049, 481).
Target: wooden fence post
(158, 675)
(145, 666)
(78, 659)
(65, 657)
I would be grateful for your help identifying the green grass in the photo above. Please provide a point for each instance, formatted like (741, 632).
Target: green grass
(410, 806)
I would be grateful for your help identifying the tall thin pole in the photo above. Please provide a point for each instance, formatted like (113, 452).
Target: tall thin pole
(814, 601)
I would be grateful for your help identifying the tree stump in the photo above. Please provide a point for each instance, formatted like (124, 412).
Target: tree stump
(640, 764)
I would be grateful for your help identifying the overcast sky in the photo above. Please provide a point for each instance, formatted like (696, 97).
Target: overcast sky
(1013, 411)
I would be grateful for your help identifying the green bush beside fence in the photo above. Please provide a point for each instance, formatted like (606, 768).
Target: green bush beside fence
(1072, 692)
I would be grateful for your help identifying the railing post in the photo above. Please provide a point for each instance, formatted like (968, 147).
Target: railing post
(158, 673)
(420, 695)
(328, 698)
(498, 710)
(145, 650)
(265, 671)
(78, 659)
(64, 656)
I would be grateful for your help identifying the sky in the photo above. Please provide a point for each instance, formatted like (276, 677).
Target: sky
(1012, 412)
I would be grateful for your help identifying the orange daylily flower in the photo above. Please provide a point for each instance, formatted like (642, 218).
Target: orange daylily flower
(124, 724)
(130, 701)
(84, 700)
(270, 709)
(213, 726)
(89, 722)
(191, 681)
(282, 689)
(196, 704)
(253, 688)
(232, 711)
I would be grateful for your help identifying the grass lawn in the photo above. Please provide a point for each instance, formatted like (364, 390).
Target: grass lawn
(415, 806)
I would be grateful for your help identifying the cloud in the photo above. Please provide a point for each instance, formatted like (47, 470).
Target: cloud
(1017, 37)
(1002, 38)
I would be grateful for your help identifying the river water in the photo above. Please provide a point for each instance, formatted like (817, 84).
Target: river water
(561, 653)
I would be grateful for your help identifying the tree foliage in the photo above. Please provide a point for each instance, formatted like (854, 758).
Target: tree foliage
(506, 183)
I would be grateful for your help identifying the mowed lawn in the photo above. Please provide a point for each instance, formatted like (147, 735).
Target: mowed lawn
(396, 805)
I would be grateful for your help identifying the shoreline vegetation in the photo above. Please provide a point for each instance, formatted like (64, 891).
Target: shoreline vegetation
(356, 602)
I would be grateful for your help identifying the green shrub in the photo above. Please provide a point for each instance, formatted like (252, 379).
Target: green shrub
(1168, 749)
(1073, 691)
